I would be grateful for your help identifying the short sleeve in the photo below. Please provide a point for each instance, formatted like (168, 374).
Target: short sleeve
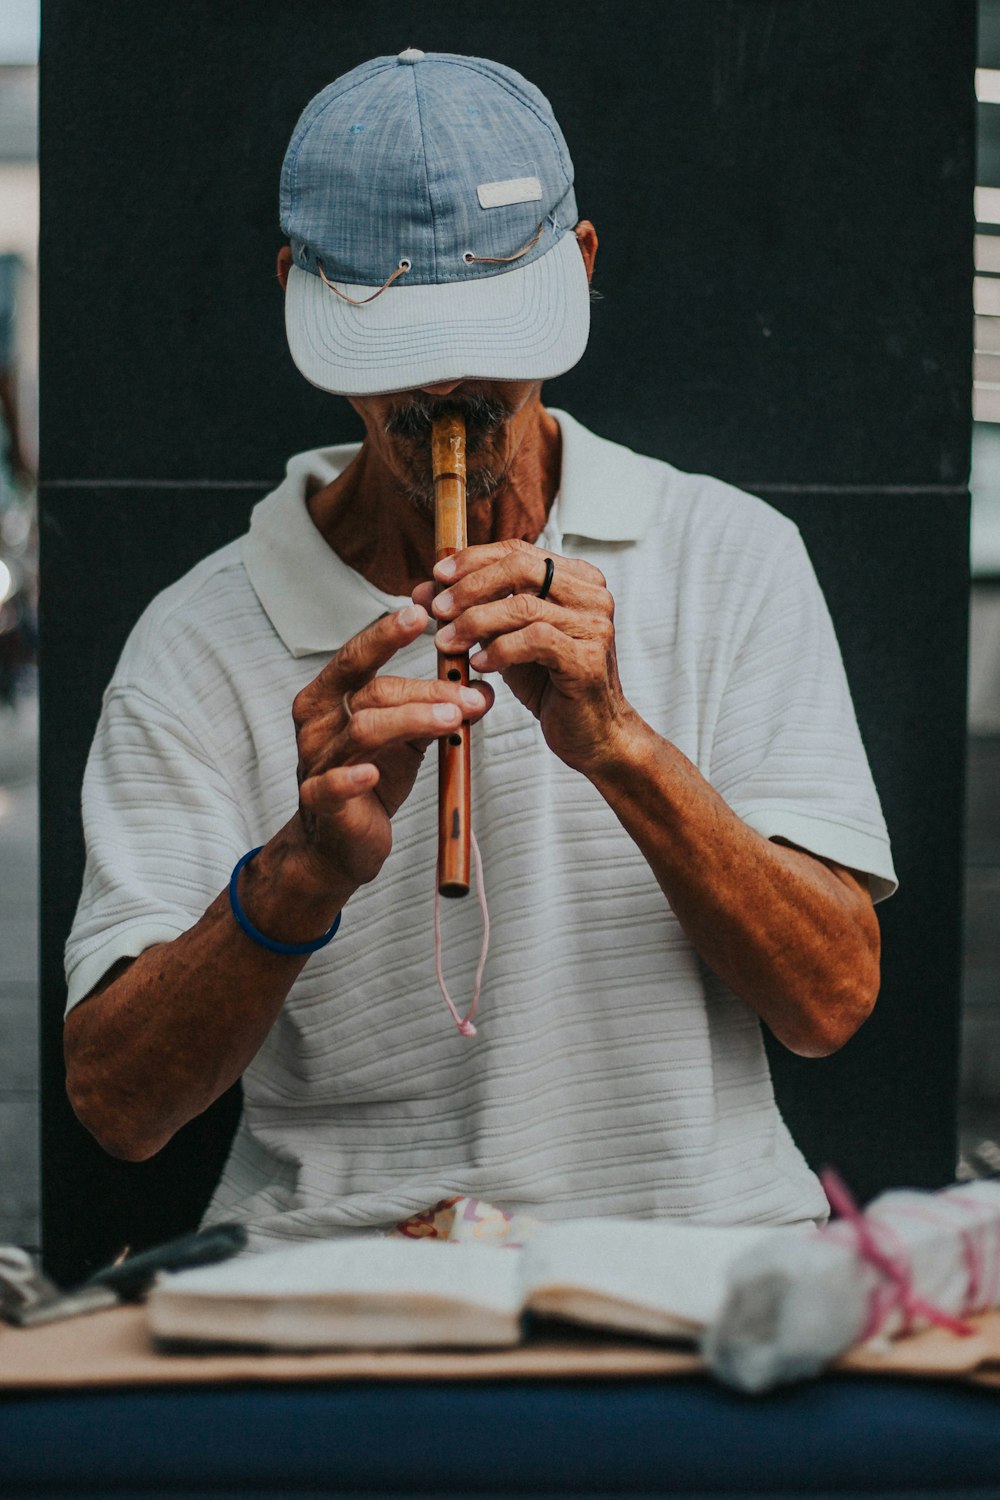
(162, 831)
(787, 753)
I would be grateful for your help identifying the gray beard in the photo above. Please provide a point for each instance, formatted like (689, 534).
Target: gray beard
(481, 484)
(482, 415)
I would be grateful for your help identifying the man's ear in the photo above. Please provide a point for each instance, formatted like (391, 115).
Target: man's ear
(284, 265)
(586, 238)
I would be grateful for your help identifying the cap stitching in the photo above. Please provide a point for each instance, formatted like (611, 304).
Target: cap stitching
(527, 103)
(427, 175)
(558, 227)
(537, 325)
(563, 156)
(304, 127)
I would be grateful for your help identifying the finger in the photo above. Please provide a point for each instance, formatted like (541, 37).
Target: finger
(573, 588)
(541, 644)
(338, 785)
(496, 568)
(336, 737)
(371, 730)
(423, 594)
(483, 623)
(335, 741)
(360, 658)
(392, 692)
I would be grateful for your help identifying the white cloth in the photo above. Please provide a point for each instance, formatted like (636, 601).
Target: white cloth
(612, 1073)
(795, 1303)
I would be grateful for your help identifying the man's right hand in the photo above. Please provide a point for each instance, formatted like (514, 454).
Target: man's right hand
(164, 1034)
(361, 738)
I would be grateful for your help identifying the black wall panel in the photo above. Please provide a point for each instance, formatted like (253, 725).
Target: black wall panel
(784, 195)
(784, 181)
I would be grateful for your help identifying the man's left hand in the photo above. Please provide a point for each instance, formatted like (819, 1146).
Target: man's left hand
(794, 935)
(557, 655)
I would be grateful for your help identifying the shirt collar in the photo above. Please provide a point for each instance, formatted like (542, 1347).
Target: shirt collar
(607, 493)
(316, 602)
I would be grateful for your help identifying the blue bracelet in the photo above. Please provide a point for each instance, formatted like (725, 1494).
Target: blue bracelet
(293, 949)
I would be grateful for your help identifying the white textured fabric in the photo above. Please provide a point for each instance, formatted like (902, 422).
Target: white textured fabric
(796, 1302)
(612, 1073)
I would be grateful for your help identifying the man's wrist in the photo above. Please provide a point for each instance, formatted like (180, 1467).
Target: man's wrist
(632, 751)
(287, 894)
(648, 781)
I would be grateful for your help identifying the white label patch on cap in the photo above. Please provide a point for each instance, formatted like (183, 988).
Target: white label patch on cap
(516, 190)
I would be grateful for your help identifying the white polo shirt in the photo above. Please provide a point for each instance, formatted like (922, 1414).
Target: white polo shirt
(612, 1072)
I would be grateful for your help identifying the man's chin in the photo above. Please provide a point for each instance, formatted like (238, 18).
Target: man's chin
(481, 484)
(486, 473)
(484, 483)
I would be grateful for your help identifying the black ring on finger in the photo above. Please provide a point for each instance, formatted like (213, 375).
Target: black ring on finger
(550, 568)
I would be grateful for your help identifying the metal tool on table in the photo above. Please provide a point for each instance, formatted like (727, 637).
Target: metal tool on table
(28, 1298)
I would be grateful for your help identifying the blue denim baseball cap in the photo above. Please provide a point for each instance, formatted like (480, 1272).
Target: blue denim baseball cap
(428, 201)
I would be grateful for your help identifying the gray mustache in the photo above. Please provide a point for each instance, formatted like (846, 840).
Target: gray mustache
(481, 414)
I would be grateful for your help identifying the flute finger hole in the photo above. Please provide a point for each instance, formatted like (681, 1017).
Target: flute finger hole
(454, 739)
(454, 675)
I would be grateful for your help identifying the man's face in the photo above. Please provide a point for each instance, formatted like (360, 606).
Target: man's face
(496, 412)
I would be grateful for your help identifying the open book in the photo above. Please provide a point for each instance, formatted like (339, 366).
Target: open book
(664, 1280)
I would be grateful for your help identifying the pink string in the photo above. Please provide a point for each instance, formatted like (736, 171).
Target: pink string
(874, 1243)
(464, 1023)
(980, 1243)
(983, 1257)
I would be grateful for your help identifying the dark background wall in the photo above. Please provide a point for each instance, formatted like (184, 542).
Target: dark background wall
(784, 194)
(980, 1089)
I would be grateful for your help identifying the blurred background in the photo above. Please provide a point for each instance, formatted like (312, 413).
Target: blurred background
(19, 1195)
(18, 599)
(981, 996)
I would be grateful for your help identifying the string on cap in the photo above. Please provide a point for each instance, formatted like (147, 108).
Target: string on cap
(401, 270)
(498, 260)
(464, 1023)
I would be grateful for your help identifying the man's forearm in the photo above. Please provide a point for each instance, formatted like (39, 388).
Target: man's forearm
(153, 1046)
(794, 937)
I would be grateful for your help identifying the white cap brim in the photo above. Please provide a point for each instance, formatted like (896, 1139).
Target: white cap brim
(529, 323)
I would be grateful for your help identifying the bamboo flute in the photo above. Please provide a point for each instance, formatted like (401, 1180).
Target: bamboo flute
(454, 759)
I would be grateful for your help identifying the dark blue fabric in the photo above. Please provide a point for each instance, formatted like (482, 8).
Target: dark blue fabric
(840, 1436)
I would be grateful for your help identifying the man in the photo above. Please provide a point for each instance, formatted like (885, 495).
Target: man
(678, 825)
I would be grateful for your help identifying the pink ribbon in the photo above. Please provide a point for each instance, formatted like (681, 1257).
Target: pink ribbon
(464, 1023)
(874, 1243)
